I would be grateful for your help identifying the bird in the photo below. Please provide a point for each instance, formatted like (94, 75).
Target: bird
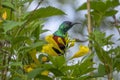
(61, 33)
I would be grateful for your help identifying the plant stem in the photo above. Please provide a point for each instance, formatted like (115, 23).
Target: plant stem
(89, 17)
(109, 71)
(116, 23)
(89, 22)
(110, 76)
(3, 77)
(89, 28)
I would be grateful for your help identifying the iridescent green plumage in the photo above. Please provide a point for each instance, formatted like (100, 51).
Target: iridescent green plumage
(63, 28)
(61, 33)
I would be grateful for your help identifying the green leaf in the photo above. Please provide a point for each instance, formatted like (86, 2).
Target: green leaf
(64, 78)
(45, 30)
(82, 68)
(32, 46)
(82, 7)
(42, 77)
(16, 78)
(98, 6)
(118, 27)
(18, 39)
(16, 64)
(100, 9)
(102, 55)
(48, 66)
(110, 13)
(37, 30)
(58, 61)
(116, 59)
(101, 70)
(8, 4)
(31, 27)
(100, 40)
(56, 72)
(96, 18)
(95, 5)
(112, 3)
(34, 73)
(87, 77)
(44, 12)
(8, 25)
(37, 44)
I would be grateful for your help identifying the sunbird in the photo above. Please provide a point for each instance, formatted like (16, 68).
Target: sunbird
(61, 33)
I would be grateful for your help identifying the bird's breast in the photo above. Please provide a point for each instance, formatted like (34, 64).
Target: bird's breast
(61, 45)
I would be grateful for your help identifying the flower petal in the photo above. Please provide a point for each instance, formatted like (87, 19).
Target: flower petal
(4, 15)
(82, 51)
(45, 73)
(48, 49)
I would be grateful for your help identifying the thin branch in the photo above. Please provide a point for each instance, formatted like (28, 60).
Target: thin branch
(4, 71)
(89, 28)
(116, 23)
(89, 23)
(34, 10)
(89, 17)
(28, 18)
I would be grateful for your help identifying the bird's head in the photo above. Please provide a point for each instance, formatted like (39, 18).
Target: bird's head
(66, 25)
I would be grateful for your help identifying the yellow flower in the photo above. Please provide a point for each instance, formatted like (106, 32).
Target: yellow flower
(61, 41)
(67, 39)
(45, 73)
(50, 40)
(49, 50)
(28, 68)
(33, 65)
(44, 58)
(72, 43)
(69, 42)
(82, 51)
(4, 15)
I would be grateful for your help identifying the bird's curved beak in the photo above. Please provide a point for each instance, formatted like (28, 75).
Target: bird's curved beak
(75, 23)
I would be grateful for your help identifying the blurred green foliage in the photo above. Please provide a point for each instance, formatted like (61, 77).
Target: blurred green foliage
(20, 35)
